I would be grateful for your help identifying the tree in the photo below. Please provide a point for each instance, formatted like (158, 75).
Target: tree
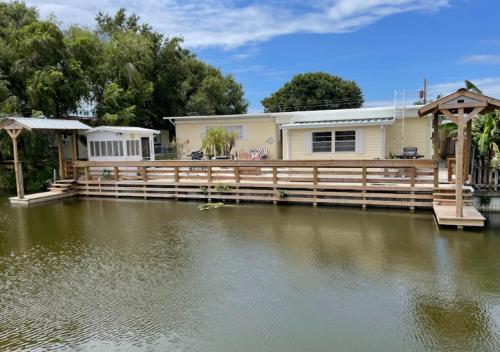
(314, 91)
(218, 142)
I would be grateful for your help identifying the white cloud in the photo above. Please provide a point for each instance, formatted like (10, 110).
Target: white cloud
(489, 86)
(481, 59)
(229, 24)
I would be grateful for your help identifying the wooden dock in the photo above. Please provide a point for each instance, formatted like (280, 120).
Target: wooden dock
(42, 197)
(410, 184)
(445, 215)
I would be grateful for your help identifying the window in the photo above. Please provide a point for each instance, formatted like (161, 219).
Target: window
(103, 148)
(345, 141)
(132, 148)
(92, 151)
(321, 142)
(115, 148)
(109, 148)
(237, 129)
(97, 149)
(120, 147)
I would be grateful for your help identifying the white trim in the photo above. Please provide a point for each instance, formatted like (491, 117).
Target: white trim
(308, 141)
(382, 142)
(359, 140)
(295, 126)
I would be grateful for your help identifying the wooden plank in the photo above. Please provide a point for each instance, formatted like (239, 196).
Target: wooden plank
(446, 215)
(460, 164)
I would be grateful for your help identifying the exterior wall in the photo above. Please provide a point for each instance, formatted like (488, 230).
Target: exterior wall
(257, 133)
(68, 149)
(371, 144)
(417, 133)
(121, 137)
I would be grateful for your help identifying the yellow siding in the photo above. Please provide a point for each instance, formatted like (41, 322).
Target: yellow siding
(259, 133)
(372, 145)
(416, 134)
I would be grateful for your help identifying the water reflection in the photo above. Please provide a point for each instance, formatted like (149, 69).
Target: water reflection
(107, 275)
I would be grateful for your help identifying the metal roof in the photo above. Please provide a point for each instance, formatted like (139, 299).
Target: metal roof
(315, 115)
(339, 123)
(37, 123)
(121, 129)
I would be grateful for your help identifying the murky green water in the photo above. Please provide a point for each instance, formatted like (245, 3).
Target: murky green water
(164, 276)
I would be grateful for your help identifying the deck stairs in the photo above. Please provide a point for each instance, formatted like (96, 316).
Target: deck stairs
(446, 196)
(63, 186)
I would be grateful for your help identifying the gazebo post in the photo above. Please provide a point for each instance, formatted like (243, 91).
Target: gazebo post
(467, 147)
(60, 152)
(435, 146)
(74, 149)
(18, 168)
(460, 164)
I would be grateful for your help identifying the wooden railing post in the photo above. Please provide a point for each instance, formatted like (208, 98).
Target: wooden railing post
(116, 171)
(364, 181)
(275, 184)
(413, 176)
(237, 181)
(87, 173)
(315, 185)
(436, 174)
(209, 179)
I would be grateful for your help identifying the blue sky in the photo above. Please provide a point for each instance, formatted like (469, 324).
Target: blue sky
(384, 45)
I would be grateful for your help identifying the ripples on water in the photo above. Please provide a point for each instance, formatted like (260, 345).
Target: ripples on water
(146, 276)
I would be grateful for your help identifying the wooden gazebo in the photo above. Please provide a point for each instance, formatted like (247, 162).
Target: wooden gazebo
(15, 125)
(460, 107)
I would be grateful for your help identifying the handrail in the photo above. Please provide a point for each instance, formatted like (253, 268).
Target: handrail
(389, 163)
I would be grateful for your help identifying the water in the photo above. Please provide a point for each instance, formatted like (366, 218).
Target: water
(164, 276)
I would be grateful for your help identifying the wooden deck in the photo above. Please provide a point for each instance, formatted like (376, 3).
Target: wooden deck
(42, 197)
(445, 215)
(410, 184)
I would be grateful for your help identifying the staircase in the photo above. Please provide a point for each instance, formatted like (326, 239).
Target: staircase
(446, 196)
(62, 186)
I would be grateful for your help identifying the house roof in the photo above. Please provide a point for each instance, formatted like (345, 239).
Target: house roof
(313, 116)
(341, 123)
(121, 129)
(37, 123)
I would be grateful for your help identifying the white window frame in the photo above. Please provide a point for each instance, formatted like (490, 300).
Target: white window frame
(354, 141)
(325, 142)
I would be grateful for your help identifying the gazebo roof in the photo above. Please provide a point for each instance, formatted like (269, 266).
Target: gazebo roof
(37, 123)
(461, 99)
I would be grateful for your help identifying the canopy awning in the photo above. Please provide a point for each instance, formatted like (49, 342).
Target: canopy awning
(37, 123)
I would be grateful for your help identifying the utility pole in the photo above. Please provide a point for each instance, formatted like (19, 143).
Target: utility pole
(425, 91)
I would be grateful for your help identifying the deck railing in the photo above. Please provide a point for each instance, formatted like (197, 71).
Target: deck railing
(486, 177)
(365, 182)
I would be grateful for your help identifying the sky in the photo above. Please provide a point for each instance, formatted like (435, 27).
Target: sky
(386, 46)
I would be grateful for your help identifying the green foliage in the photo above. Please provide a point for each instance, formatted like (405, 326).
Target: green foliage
(472, 87)
(315, 91)
(222, 187)
(204, 189)
(281, 193)
(127, 73)
(218, 142)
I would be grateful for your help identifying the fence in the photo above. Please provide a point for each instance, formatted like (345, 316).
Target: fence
(485, 176)
(405, 183)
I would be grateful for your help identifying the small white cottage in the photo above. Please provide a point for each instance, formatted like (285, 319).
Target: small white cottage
(116, 143)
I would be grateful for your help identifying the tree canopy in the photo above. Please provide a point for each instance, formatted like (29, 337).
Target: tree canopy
(314, 91)
(123, 71)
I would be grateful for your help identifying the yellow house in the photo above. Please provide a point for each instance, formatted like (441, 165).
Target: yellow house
(364, 133)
